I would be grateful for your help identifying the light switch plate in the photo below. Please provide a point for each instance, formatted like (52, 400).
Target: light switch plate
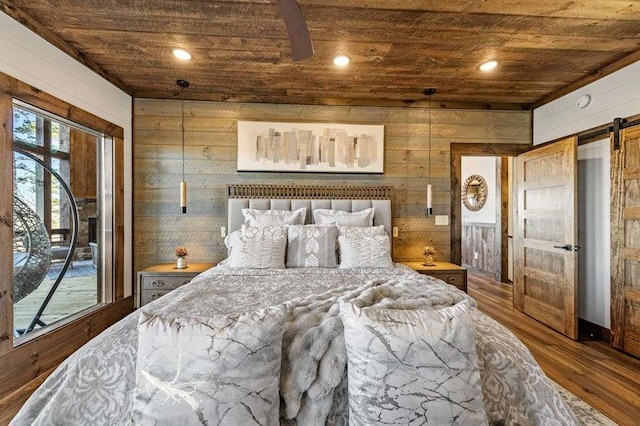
(442, 220)
(223, 231)
(395, 232)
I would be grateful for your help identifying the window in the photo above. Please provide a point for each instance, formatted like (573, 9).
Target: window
(59, 206)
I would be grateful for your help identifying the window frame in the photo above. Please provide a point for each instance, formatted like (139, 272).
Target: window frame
(104, 145)
(39, 355)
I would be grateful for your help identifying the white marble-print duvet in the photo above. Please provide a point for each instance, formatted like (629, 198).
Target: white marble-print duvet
(96, 385)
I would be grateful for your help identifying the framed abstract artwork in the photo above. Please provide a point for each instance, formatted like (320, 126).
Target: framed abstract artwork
(310, 147)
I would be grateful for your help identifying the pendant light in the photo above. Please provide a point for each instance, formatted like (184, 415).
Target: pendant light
(429, 209)
(183, 185)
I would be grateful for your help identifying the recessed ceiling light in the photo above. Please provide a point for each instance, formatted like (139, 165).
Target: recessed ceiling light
(181, 54)
(488, 66)
(341, 60)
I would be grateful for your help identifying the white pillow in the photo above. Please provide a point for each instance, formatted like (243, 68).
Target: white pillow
(255, 217)
(263, 231)
(260, 252)
(215, 370)
(365, 252)
(412, 366)
(231, 240)
(341, 217)
(362, 231)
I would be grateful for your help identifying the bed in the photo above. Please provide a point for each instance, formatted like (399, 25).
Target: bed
(304, 345)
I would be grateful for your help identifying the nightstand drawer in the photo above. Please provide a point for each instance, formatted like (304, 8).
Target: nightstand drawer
(164, 282)
(453, 278)
(148, 296)
(450, 273)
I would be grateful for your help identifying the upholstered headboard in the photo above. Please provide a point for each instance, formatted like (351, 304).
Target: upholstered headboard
(277, 197)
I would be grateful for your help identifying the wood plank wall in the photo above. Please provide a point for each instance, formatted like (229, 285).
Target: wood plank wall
(210, 139)
(82, 161)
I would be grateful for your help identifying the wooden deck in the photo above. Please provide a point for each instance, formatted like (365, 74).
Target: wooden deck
(73, 295)
(600, 375)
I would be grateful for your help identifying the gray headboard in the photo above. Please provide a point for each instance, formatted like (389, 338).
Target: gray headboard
(277, 197)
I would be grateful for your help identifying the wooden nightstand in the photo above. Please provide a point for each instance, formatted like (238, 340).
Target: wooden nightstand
(447, 272)
(159, 280)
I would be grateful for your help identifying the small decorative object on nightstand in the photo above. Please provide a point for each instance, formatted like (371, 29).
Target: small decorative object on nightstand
(448, 272)
(181, 253)
(158, 280)
(428, 254)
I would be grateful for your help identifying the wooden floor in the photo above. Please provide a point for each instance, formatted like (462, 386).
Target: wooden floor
(605, 378)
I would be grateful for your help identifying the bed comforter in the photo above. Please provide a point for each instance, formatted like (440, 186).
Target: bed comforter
(96, 384)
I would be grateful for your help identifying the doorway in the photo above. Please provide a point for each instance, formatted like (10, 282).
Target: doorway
(483, 238)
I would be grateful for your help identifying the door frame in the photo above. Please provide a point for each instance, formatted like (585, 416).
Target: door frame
(457, 150)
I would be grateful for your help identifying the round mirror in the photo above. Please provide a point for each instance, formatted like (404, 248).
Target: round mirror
(474, 192)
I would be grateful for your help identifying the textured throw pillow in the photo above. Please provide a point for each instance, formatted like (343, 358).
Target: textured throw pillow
(412, 366)
(263, 231)
(362, 231)
(255, 217)
(341, 217)
(312, 245)
(218, 370)
(261, 252)
(365, 252)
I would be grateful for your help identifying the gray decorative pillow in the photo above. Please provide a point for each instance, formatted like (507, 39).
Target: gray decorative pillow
(412, 366)
(217, 370)
(341, 217)
(365, 252)
(312, 245)
(262, 252)
(362, 231)
(255, 217)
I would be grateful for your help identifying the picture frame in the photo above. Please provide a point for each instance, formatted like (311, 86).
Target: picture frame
(310, 147)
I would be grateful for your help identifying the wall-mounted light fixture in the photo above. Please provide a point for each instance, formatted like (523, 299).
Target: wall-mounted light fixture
(183, 84)
(429, 210)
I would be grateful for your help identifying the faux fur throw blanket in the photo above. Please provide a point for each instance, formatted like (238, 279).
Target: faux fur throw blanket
(314, 355)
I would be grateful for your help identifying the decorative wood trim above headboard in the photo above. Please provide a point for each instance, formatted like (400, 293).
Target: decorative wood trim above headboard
(310, 192)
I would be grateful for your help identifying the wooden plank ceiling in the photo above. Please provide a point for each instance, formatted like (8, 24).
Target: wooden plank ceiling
(398, 47)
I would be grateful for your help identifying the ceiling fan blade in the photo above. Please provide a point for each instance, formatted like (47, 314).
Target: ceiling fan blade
(299, 38)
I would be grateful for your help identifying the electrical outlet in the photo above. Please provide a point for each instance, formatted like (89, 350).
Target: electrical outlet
(395, 232)
(223, 231)
(442, 220)
(475, 255)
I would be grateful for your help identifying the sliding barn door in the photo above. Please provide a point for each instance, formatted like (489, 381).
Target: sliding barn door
(625, 242)
(545, 239)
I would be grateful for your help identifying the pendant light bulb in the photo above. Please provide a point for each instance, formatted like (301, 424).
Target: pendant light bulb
(429, 211)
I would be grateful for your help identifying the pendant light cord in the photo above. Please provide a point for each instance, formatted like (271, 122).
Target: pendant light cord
(429, 138)
(183, 185)
(183, 134)
(429, 210)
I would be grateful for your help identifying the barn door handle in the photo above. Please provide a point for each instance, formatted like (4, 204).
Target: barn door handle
(567, 247)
